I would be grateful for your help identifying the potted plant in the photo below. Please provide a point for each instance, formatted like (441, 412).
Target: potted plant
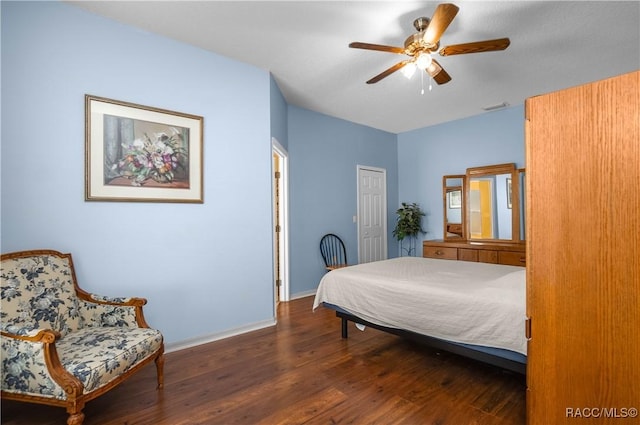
(408, 226)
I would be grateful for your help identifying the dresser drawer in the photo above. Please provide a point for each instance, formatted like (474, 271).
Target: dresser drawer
(445, 253)
(512, 258)
(468, 254)
(486, 256)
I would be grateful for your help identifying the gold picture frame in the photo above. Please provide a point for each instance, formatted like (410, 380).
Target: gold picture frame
(136, 153)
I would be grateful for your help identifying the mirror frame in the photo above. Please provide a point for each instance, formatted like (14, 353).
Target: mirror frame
(522, 175)
(463, 207)
(497, 169)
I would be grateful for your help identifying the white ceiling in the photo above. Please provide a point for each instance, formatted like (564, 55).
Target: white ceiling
(304, 44)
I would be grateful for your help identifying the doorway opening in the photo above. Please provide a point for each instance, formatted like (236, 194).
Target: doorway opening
(280, 196)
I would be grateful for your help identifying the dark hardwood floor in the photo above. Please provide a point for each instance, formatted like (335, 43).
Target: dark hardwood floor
(302, 372)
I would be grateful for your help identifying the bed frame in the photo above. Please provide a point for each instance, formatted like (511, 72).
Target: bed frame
(439, 344)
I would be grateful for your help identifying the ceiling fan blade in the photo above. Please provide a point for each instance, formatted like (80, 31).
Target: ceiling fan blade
(378, 47)
(476, 47)
(441, 19)
(387, 72)
(438, 73)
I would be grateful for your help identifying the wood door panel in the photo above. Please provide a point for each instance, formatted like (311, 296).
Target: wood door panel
(583, 267)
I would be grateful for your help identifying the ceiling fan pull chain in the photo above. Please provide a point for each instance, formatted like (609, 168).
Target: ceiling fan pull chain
(422, 82)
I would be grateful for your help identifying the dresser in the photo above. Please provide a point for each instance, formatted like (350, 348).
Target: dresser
(512, 254)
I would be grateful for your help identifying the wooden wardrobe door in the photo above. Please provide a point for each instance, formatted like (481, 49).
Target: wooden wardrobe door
(583, 253)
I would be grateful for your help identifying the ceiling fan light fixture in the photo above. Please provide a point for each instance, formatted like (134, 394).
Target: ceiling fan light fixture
(422, 45)
(409, 69)
(423, 60)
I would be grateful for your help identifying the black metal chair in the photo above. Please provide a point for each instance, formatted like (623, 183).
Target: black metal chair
(333, 252)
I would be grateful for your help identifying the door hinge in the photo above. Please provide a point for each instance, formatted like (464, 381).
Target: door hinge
(527, 328)
(278, 283)
(278, 228)
(277, 174)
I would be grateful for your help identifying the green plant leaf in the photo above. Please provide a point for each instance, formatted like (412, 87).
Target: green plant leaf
(409, 221)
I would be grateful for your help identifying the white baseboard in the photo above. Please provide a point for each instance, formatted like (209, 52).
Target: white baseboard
(302, 294)
(193, 342)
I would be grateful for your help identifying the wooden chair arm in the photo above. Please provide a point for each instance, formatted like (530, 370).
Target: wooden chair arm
(48, 363)
(116, 303)
(102, 299)
(38, 335)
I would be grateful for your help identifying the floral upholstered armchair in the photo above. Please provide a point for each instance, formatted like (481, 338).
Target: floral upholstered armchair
(61, 345)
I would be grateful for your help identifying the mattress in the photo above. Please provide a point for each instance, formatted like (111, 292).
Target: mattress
(463, 302)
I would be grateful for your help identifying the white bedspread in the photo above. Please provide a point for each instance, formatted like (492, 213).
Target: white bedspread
(459, 301)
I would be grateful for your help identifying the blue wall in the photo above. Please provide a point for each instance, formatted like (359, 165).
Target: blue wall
(427, 154)
(183, 257)
(324, 153)
(278, 114)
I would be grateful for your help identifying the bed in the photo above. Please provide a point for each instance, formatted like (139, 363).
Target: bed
(471, 309)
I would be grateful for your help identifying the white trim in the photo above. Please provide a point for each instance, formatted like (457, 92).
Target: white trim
(205, 339)
(304, 294)
(284, 249)
(384, 221)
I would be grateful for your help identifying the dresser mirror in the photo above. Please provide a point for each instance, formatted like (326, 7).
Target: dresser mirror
(485, 205)
(453, 195)
(493, 205)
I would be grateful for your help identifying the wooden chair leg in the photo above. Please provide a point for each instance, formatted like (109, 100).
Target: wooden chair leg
(74, 409)
(75, 418)
(160, 370)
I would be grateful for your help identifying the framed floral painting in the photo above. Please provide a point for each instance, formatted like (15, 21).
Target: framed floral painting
(140, 153)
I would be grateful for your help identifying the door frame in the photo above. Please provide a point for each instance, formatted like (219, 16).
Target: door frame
(281, 152)
(384, 210)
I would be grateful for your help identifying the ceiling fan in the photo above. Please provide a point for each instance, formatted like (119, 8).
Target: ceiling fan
(420, 46)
